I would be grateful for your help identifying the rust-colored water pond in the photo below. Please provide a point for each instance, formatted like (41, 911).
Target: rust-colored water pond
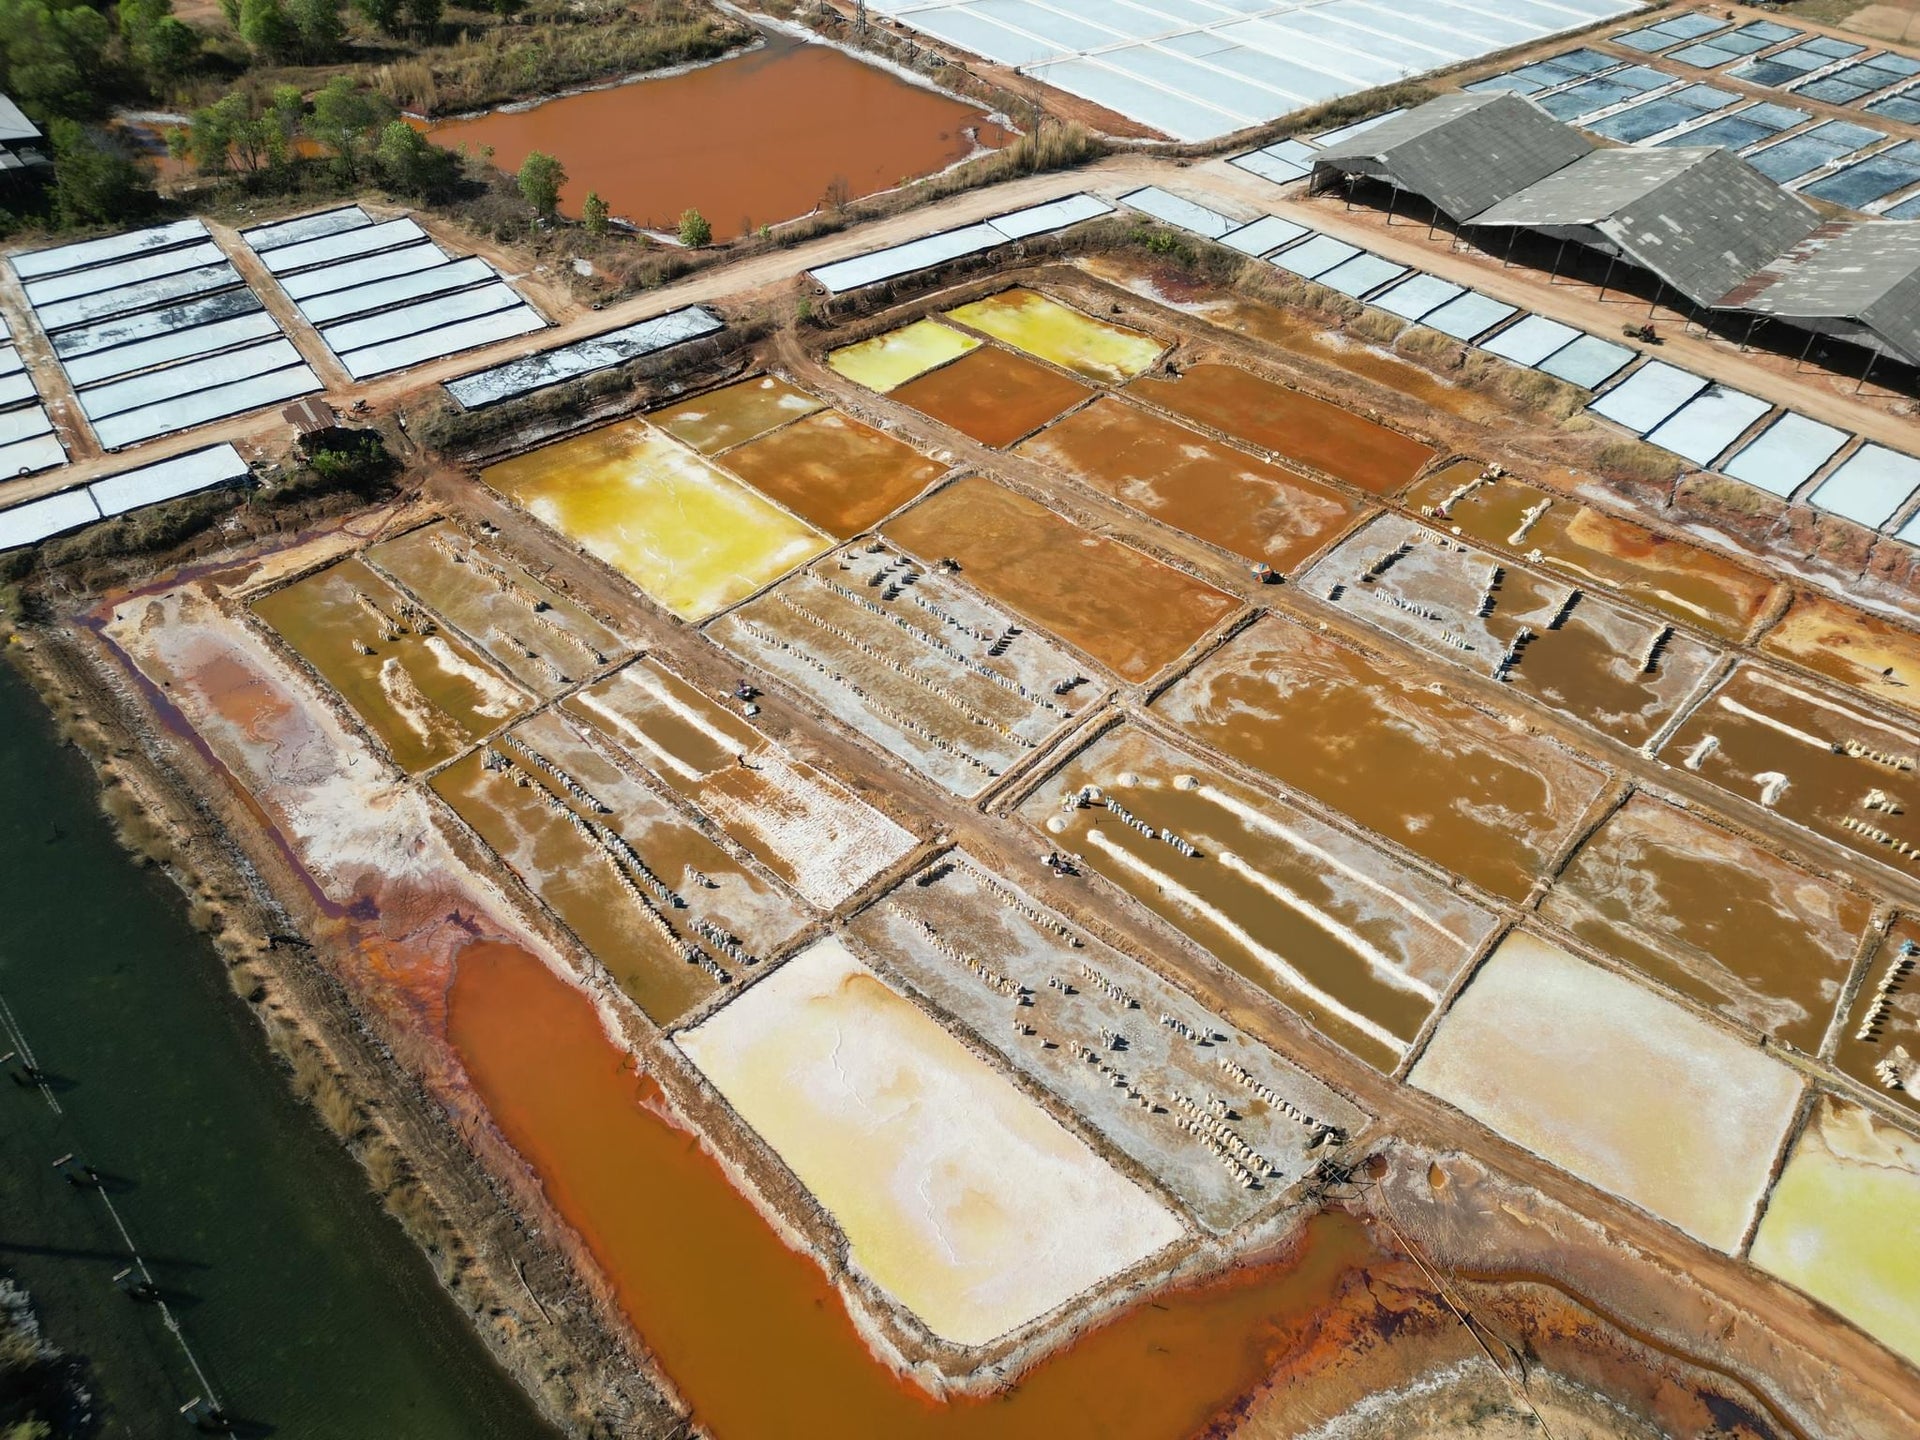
(1193, 483)
(756, 138)
(751, 1333)
(993, 395)
(1379, 742)
(1124, 608)
(1763, 940)
(1359, 942)
(1872, 655)
(1809, 757)
(1325, 437)
(833, 472)
(1682, 580)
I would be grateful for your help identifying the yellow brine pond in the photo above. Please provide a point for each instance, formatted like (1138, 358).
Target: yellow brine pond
(1843, 1220)
(958, 1195)
(899, 355)
(1043, 327)
(684, 531)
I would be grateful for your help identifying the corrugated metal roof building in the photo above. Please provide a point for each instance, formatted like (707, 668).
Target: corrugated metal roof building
(22, 147)
(1702, 220)
(1463, 152)
(1858, 281)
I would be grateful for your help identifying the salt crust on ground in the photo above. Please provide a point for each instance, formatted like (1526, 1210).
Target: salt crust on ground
(1615, 1084)
(961, 1198)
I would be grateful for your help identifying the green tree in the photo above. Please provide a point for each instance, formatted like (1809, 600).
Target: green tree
(412, 164)
(318, 25)
(268, 30)
(694, 230)
(157, 43)
(95, 181)
(593, 210)
(382, 14)
(541, 179)
(228, 134)
(424, 14)
(51, 54)
(287, 115)
(345, 118)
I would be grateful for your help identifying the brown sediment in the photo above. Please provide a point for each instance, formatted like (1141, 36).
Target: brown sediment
(735, 414)
(1810, 758)
(1325, 437)
(833, 472)
(1307, 335)
(1880, 1038)
(1450, 783)
(1679, 579)
(1127, 610)
(1193, 483)
(802, 824)
(1574, 650)
(1873, 655)
(1078, 992)
(702, 1276)
(537, 635)
(1767, 943)
(1379, 941)
(931, 672)
(641, 929)
(419, 689)
(992, 395)
(758, 137)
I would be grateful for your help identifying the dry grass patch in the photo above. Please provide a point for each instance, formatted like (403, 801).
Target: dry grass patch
(1635, 460)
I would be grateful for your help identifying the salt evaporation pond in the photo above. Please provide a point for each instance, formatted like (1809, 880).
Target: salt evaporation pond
(754, 138)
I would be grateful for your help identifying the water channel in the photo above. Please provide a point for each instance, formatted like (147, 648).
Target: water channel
(307, 1310)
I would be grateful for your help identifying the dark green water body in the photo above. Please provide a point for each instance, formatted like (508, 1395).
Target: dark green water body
(308, 1309)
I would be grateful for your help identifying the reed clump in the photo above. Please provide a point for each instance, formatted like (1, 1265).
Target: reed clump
(1731, 497)
(136, 830)
(1376, 327)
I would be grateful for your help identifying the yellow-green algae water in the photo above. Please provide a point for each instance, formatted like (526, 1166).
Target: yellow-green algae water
(735, 414)
(1844, 1222)
(899, 355)
(684, 531)
(1071, 339)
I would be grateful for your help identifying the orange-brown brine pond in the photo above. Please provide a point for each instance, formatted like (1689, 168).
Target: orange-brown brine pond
(751, 139)
(752, 1333)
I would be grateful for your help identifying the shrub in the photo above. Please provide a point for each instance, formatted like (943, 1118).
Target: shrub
(541, 179)
(593, 213)
(694, 230)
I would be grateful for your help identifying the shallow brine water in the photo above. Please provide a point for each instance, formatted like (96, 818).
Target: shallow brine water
(755, 138)
(752, 1333)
